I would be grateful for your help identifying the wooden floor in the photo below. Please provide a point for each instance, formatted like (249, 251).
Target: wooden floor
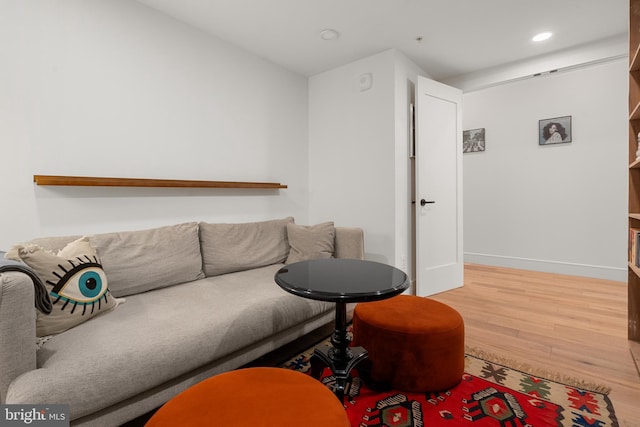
(572, 325)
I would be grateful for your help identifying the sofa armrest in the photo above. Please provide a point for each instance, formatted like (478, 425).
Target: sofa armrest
(17, 328)
(349, 242)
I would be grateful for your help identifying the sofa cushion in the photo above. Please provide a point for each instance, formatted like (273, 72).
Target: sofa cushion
(349, 243)
(153, 339)
(141, 260)
(75, 280)
(310, 241)
(236, 247)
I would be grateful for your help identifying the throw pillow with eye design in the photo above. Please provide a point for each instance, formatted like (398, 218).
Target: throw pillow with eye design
(75, 280)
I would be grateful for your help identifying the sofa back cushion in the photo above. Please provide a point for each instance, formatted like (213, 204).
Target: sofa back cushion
(349, 242)
(142, 260)
(308, 242)
(235, 247)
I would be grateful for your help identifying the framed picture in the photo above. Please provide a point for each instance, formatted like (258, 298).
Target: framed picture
(473, 140)
(554, 131)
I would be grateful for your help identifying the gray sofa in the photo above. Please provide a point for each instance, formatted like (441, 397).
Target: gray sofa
(192, 300)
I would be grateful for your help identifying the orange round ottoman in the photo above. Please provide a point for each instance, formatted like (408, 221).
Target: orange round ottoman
(415, 344)
(259, 397)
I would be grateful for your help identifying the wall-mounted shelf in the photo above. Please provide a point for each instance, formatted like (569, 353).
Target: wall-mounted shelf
(89, 181)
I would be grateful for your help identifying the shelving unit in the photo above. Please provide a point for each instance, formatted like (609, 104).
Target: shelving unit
(90, 181)
(634, 174)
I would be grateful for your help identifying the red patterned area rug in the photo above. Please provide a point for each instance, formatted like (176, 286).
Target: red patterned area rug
(492, 392)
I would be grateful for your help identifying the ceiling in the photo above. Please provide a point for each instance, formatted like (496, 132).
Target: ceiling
(457, 36)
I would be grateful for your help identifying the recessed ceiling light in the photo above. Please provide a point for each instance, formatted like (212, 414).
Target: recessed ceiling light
(329, 34)
(542, 36)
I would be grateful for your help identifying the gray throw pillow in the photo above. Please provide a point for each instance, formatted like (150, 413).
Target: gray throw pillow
(308, 242)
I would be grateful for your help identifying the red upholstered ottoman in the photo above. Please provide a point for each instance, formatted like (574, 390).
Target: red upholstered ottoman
(415, 344)
(258, 397)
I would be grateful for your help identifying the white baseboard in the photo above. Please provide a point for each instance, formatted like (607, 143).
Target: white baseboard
(595, 271)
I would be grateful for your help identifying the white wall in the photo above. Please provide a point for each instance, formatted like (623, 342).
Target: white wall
(559, 208)
(113, 88)
(359, 152)
(351, 151)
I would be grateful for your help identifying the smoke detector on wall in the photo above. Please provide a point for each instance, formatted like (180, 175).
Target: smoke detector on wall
(365, 81)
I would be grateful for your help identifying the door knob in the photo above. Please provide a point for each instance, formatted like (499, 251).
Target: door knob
(424, 202)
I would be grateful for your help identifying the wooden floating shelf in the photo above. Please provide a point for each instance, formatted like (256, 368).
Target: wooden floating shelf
(89, 181)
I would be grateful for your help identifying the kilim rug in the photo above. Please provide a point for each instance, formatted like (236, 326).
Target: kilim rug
(491, 393)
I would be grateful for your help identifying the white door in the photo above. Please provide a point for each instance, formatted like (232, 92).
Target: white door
(439, 254)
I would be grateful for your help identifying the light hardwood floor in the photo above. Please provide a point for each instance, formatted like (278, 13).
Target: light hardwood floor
(572, 325)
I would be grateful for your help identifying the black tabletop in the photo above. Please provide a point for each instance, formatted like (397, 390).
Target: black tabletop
(342, 280)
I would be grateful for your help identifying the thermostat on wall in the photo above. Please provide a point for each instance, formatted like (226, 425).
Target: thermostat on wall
(365, 81)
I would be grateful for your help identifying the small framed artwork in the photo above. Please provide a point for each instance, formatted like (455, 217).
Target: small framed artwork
(554, 131)
(473, 140)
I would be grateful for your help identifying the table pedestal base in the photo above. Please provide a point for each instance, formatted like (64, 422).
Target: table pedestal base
(341, 369)
(340, 358)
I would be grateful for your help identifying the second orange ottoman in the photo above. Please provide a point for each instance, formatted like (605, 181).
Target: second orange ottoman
(415, 344)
